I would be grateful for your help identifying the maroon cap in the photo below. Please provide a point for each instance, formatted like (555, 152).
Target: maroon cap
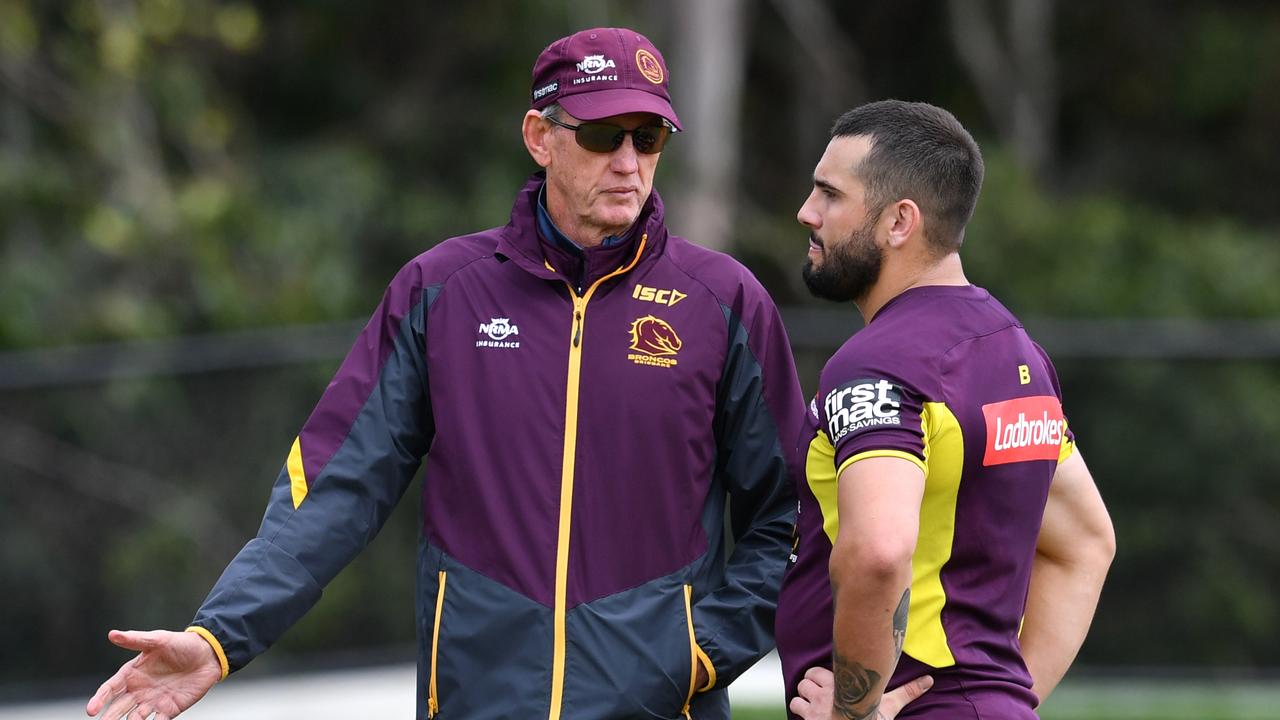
(603, 72)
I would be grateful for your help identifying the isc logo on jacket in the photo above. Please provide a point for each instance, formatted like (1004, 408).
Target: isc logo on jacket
(655, 295)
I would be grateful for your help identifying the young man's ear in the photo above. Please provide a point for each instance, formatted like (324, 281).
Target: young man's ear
(905, 219)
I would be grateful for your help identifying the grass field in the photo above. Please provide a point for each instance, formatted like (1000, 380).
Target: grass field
(386, 692)
(1136, 700)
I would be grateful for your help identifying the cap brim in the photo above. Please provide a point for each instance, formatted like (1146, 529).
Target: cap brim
(607, 103)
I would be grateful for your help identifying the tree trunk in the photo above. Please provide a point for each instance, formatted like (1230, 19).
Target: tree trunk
(1014, 78)
(707, 66)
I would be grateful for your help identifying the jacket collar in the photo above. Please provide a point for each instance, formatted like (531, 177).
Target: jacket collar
(521, 242)
(550, 231)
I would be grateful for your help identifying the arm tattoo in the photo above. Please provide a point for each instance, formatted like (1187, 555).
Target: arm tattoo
(900, 624)
(853, 684)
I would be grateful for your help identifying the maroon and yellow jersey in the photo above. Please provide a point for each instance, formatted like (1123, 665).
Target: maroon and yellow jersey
(946, 378)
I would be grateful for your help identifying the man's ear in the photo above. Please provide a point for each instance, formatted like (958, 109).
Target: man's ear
(904, 220)
(537, 131)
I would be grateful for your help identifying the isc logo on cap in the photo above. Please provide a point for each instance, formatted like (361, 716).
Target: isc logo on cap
(1027, 428)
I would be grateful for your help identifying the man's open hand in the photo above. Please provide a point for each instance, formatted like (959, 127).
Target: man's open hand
(171, 672)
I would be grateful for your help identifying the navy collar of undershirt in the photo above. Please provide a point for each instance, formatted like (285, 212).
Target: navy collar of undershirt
(548, 228)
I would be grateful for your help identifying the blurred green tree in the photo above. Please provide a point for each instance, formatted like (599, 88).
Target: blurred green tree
(188, 166)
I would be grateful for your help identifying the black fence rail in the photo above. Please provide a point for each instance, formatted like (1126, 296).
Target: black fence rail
(812, 329)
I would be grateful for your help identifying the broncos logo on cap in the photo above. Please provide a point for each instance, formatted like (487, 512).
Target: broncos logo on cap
(649, 66)
(653, 336)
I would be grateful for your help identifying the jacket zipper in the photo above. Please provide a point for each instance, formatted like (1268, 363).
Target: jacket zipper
(566, 477)
(433, 695)
(693, 651)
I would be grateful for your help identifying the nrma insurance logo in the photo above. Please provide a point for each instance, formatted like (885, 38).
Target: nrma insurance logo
(498, 333)
(654, 341)
(593, 68)
(592, 64)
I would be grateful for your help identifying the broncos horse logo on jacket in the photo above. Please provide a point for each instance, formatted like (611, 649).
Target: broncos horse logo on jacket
(653, 336)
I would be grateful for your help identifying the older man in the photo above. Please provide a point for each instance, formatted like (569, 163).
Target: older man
(589, 392)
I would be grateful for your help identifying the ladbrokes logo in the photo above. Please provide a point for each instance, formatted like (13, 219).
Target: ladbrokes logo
(862, 404)
(654, 341)
(1028, 428)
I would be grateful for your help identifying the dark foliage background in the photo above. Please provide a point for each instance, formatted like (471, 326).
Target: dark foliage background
(173, 168)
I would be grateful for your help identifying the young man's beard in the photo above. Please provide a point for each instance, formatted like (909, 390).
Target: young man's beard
(848, 269)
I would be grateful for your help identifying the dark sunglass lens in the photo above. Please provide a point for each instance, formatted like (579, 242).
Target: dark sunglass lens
(605, 138)
(644, 139)
(600, 137)
(649, 139)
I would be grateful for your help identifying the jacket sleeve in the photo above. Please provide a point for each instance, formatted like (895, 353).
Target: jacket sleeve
(348, 467)
(759, 411)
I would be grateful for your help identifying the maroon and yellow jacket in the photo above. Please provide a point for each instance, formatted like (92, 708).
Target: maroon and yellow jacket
(585, 421)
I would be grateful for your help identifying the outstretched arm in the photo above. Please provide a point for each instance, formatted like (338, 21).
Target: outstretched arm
(1073, 553)
(170, 673)
(346, 470)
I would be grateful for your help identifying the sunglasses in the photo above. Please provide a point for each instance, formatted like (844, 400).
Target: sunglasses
(606, 137)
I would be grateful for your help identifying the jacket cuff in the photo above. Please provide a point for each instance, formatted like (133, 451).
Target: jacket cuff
(217, 649)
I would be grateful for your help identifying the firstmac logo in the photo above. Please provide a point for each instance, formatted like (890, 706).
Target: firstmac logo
(545, 90)
(862, 404)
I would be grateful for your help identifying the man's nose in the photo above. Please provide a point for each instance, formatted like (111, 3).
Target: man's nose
(807, 215)
(625, 159)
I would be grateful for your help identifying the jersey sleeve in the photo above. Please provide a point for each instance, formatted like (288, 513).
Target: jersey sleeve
(869, 407)
(1068, 437)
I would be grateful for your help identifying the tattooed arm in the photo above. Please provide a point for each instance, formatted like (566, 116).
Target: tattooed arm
(854, 683)
(879, 506)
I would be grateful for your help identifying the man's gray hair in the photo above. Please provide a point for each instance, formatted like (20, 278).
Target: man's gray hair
(551, 111)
